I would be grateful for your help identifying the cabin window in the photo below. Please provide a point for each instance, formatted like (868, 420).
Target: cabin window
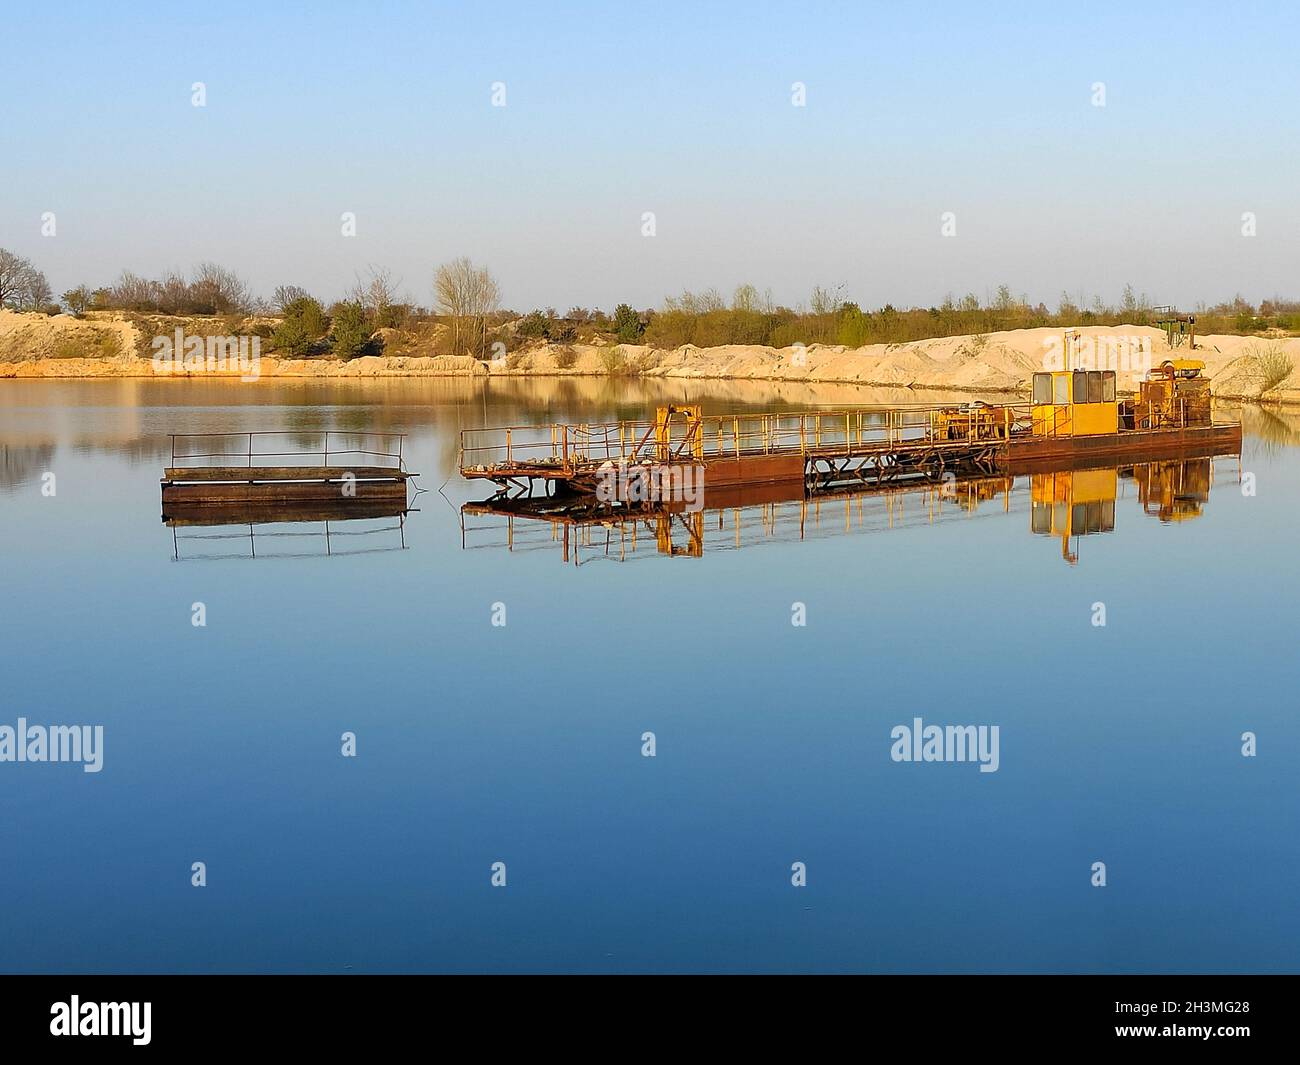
(1042, 388)
(1061, 390)
(1094, 516)
(1108, 386)
(1080, 387)
(1094, 386)
(1040, 517)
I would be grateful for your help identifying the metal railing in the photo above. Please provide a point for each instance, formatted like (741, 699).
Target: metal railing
(249, 448)
(562, 447)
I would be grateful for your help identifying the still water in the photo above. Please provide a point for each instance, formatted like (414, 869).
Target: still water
(522, 743)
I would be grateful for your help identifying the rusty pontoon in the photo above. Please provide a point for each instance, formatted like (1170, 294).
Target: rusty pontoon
(1074, 414)
(333, 469)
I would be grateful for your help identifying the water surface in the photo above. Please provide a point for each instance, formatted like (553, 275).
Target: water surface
(522, 743)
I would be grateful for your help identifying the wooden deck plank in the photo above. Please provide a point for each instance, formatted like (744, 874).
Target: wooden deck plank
(287, 491)
(274, 474)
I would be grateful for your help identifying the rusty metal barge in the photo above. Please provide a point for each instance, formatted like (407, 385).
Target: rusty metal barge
(1075, 417)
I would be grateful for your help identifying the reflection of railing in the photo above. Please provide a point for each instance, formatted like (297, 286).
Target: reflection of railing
(356, 541)
(562, 448)
(249, 450)
(585, 536)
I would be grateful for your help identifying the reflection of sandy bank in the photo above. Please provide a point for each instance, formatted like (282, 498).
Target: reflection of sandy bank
(132, 418)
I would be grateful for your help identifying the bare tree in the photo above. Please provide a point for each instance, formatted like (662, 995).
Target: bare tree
(376, 292)
(825, 300)
(218, 290)
(78, 300)
(469, 296)
(133, 293)
(173, 293)
(287, 294)
(14, 270)
(36, 292)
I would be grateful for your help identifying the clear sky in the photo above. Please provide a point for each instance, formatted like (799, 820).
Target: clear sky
(685, 110)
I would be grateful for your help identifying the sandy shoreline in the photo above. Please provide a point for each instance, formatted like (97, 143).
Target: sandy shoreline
(1001, 362)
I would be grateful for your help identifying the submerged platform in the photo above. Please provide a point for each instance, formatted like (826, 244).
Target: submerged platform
(229, 470)
(225, 486)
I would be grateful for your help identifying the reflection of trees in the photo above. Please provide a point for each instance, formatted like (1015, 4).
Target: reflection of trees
(19, 465)
(134, 417)
(1269, 429)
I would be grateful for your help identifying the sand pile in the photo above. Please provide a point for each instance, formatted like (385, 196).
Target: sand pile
(34, 345)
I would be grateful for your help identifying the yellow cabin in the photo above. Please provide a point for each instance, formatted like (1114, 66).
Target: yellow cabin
(1075, 403)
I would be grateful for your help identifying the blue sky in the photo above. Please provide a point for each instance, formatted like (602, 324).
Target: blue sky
(681, 109)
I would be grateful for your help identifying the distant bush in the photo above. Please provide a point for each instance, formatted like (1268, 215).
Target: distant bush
(393, 316)
(78, 300)
(544, 325)
(564, 357)
(211, 289)
(1272, 364)
(304, 323)
(92, 345)
(352, 330)
(532, 326)
(627, 324)
(613, 359)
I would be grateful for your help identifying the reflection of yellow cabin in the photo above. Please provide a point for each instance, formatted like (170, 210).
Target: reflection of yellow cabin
(1077, 503)
(1075, 403)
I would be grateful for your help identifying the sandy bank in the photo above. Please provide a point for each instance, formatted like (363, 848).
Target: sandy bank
(36, 346)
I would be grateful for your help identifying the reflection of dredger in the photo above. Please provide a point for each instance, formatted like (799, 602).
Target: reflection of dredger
(1074, 503)
(1174, 491)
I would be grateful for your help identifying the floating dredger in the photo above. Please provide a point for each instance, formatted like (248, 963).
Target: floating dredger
(1075, 417)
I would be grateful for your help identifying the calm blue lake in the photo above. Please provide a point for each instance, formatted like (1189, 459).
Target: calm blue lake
(522, 743)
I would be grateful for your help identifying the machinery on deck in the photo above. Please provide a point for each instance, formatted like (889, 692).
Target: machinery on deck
(1175, 393)
(974, 421)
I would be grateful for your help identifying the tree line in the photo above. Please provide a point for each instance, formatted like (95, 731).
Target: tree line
(467, 317)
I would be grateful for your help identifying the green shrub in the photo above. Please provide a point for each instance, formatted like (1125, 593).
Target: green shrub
(1272, 364)
(627, 324)
(352, 331)
(78, 300)
(291, 338)
(613, 360)
(533, 325)
(304, 323)
(96, 345)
